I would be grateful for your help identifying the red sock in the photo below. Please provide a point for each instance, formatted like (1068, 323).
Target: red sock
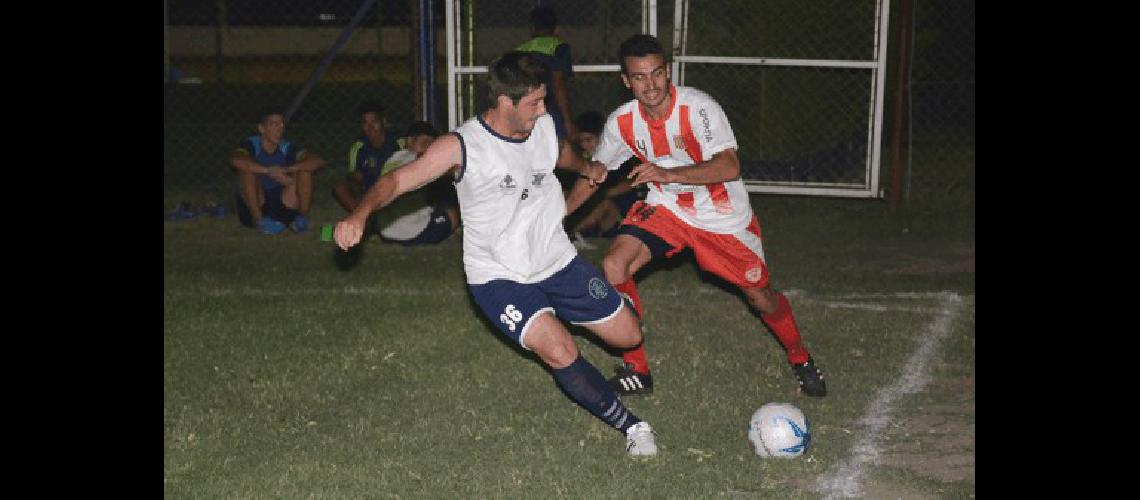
(783, 324)
(635, 356)
(629, 289)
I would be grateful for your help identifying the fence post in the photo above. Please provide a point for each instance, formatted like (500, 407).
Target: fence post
(221, 26)
(902, 90)
(165, 43)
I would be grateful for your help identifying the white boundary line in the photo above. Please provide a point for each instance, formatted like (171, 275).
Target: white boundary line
(845, 479)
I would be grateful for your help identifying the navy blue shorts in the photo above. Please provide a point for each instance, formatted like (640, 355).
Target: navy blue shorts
(272, 207)
(577, 293)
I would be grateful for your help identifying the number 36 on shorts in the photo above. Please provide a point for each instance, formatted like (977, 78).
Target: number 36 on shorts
(511, 317)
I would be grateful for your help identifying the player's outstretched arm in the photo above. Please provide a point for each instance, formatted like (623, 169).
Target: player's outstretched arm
(443, 154)
(569, 160)
(723, 166)
(579, 193)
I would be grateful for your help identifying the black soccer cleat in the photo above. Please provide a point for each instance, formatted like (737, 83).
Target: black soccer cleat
(810, 378)
(347, 260)
(627, 382)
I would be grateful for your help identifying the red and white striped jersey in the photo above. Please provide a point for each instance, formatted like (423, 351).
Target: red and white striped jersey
(695, 130)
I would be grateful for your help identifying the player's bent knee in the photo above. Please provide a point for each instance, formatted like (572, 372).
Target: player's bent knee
(558, 355)
(551, 343)
(622, 332)
(615, 269)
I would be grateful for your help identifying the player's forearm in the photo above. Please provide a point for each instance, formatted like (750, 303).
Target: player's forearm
(309, 164)
(722, 167)
(379, 196)
(246, 165)
(578, 194)
(568, 159)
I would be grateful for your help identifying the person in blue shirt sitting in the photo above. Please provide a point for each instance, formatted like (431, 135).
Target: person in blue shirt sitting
(276, 178)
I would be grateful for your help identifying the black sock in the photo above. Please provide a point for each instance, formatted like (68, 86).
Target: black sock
(586, 386)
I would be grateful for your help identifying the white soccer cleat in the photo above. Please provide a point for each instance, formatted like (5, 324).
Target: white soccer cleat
(639, 440)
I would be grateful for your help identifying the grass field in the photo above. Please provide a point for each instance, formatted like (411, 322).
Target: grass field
(284, 377)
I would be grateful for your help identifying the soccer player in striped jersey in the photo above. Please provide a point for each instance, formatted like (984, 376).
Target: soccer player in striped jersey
(521, 269)
(696, 199)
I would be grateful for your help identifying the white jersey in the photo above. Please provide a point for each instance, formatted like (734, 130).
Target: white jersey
(511, 204)
(695, 130)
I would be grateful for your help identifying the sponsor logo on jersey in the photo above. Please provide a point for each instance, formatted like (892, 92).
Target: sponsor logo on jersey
(508, 185)
(753, 275)
(597, 289)
(705, 123)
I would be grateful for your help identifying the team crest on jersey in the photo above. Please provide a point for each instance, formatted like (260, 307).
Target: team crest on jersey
(753, 275)
(678, 142)
(537, 181)
(508, 185)
(597, 289)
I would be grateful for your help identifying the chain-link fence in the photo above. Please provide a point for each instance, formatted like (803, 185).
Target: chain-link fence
(228, 58)
(804, 116)
(941, 153)
(592, 28)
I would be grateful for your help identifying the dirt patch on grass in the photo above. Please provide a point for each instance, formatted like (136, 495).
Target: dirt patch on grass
(936, 441)
(953, 260)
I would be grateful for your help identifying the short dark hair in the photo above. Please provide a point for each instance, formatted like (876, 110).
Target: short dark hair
(420, 128)
(514, 74)
(543, 18)
(371, 107)
(264, 112)
(590, 122)
(639, 45)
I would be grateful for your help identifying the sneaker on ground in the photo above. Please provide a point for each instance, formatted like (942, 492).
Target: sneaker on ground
(810, 378)
(639, 440)
(217, 210)
(182, 211)
(300, 223)
(627, 382)
(268, 225)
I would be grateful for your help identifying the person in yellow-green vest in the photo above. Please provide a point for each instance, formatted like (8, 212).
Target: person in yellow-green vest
(555, 54)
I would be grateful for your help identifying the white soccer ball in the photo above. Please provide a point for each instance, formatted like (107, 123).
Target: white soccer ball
(779, 430)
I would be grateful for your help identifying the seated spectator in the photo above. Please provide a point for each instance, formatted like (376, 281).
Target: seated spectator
(438, 220)
(605, 211)
(368, 158)
(429, 225)
(276, 178)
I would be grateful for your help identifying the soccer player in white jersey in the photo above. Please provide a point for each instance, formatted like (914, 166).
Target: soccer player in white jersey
(521, 268)
(696, 200)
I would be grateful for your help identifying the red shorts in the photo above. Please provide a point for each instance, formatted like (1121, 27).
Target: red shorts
(738, 258)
